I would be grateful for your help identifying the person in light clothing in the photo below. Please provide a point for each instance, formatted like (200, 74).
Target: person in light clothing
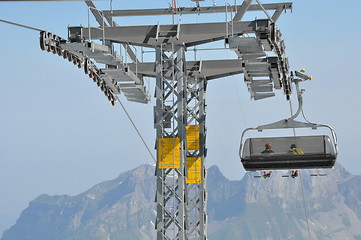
(295, 150)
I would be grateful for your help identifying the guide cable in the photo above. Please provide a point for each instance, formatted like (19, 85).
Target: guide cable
(136, 129)
(121, 104)
(20, 25)
(300, 175)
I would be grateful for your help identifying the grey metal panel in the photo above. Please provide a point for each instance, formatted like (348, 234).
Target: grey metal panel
(126, 85)
(257, 66)
(261, 82)
(106, 58)
(192, 10)
(258, 96)
(136, 94)
(246, 44)
(266, 44)
(261, 85)
(257, 74)
(190, 34)
(120, 75)
(133, 91)
(275, 75)
(117, 74)
(251, 56)
(100, 53)
(211, 69)
(265, 88)
(138, 100)
(85, 48)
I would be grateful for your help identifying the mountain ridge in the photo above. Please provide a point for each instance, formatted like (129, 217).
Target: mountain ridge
(250, 208)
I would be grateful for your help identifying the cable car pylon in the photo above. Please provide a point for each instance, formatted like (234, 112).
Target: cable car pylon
(180, 110)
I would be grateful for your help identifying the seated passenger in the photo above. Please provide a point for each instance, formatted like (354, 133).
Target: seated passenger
(295, 150)
(268, 149)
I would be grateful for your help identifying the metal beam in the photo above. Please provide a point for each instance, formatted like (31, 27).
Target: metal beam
(189, 34)
(96, 13)
(242, 10)
(192, 10)
(211, 69)
(99, 18)
(277, 14)
(263, 9)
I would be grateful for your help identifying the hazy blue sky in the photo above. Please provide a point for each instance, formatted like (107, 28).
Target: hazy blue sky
(59, 135)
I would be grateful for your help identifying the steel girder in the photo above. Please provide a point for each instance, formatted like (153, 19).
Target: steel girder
(196, 188)
(180, 102)
(170, 123)
(210, 69)
(187, 34)
(193, 10)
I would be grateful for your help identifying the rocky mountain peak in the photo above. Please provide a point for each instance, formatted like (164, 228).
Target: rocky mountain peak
(251, 208)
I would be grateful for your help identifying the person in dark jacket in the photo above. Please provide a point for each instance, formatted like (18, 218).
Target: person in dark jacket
(268, 149)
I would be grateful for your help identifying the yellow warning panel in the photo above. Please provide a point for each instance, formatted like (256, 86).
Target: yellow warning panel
(193, 137)
(169, 152)
(194, 167)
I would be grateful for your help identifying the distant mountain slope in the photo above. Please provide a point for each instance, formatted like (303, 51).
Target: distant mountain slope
(273, 208)
(118, 209)
(252, 208)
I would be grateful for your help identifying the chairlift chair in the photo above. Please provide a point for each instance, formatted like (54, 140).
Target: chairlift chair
(320, 151)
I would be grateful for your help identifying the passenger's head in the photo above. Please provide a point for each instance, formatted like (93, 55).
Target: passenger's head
(293, 146)
(268, 146)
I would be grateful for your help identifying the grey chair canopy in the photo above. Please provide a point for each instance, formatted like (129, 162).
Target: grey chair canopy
(316, 152)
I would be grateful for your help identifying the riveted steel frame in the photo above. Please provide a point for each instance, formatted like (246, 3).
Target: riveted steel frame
(170, 122)
(180, 101)
(194, 10)
(196, 192)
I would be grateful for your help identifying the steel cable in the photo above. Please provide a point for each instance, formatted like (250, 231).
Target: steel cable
(136, 129)
(20, 25)
(302, 187)
(305, 208)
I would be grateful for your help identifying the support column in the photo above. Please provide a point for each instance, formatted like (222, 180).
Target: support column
(196, 155)
(180, 126)
(170, 123)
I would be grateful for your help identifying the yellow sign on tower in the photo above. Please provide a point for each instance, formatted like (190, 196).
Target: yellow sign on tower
(168, 153)
(194, 173)
(193, 137)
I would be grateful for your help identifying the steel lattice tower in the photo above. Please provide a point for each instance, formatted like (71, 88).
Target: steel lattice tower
(179, 112)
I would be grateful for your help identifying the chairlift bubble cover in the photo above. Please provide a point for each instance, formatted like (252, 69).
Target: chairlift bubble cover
(318, 153)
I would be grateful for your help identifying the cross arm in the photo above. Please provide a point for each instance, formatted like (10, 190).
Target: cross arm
(189, 34)
(211, 69)
(193, 10)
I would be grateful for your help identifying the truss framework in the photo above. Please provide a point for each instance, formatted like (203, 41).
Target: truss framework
(180, 106)
(179, 113)
(170, 123)
(196, 189)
